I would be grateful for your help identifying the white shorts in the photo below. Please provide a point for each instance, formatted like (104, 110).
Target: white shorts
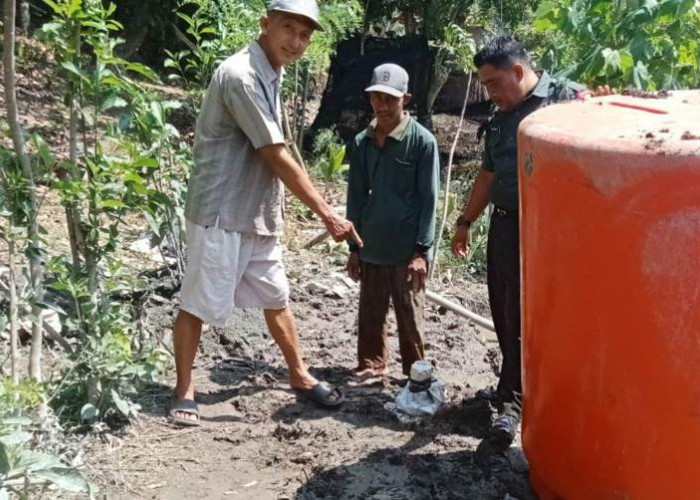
(227, 269)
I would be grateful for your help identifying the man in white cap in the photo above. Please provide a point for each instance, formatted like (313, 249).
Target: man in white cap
(392, 195)
(235, 203)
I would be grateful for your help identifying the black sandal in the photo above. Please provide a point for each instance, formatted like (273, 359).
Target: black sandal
(323, 395)
(186, 406)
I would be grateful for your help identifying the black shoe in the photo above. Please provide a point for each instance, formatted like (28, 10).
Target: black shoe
(490, 394)
(503, 430)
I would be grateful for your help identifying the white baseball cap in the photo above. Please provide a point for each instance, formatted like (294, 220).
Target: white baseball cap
(306, 8)
(390, 79)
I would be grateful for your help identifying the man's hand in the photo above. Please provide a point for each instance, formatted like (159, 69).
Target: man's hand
(354, 267)
(600, 91)
(341, 229)
(417, 271)
(603, 90)
(460, 242)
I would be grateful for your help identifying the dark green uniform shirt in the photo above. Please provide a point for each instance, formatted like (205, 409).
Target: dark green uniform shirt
(392, 193)
(501, 153)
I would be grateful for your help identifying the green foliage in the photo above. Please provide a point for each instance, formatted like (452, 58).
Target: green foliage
(218, 29)
(648, 44)
(330, 156)
(101, 377)
(475, 263)
(432, 18)
(215, 29)
(131, 177)
(340, 19)
(14, 190)
(476, 260)
(504, 15)
(23, 470)
(19, 398)
(458, 47)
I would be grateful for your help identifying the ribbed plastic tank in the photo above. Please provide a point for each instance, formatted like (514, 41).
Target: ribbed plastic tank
(610, 249)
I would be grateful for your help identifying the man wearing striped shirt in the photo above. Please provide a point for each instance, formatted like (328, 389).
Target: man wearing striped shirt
(235, 204)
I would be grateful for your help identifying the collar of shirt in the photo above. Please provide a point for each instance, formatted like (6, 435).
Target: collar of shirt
(398, 132)
(540, 90)
(262, 65)
(542, 87)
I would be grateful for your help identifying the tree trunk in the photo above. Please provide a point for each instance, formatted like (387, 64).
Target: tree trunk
(365, 28)
(438, 77)
(304, 103)
(24, 16)
(446, 197)
(37, 274)
(295, 104)
(72, 214)
(136, 30)
(35, 265)
(14, 305)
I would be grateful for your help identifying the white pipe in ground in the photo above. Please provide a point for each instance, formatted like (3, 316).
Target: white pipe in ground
(458, 309)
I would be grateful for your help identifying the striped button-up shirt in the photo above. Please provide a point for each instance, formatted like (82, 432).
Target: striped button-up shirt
(239, 115)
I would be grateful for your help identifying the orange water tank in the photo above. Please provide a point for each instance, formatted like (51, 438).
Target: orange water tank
(610, 239)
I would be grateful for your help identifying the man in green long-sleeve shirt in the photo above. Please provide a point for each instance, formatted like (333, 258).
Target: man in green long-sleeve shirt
(392, 194)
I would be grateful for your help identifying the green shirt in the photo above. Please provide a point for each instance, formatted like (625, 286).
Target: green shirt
(501, 150)
(392, 193)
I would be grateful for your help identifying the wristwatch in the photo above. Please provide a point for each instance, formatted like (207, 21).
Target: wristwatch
(463, 221)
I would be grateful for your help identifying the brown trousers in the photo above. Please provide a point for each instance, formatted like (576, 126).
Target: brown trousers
(380, 283)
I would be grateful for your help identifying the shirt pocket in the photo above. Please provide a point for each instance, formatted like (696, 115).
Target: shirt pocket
(405, 174)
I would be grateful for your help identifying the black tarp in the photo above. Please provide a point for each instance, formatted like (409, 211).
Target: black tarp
(345, 106)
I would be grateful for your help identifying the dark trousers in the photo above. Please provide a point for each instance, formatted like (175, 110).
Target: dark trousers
(380, 283)
(503, 269)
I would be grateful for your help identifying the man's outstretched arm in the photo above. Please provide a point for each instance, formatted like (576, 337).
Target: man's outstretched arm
(298, 182)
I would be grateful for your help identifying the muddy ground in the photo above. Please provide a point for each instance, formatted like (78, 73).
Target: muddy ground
(258, 442)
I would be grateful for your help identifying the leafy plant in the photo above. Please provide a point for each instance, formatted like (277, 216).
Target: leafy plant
(476, 260)
(23, 470)
(101, 378)
(330, 156)
(21, 397)
(648, 44)
(475, 263)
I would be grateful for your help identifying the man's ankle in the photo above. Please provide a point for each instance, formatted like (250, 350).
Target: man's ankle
(186, 393)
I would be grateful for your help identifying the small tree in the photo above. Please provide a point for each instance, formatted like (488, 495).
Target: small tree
(462, 49)
(34, 251)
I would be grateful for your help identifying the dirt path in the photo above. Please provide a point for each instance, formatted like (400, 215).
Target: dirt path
(258, 442)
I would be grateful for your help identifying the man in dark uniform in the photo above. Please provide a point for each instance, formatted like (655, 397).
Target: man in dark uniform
(516, 90)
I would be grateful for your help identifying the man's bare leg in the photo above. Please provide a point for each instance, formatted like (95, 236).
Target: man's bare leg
(283, 329)
(186, 334)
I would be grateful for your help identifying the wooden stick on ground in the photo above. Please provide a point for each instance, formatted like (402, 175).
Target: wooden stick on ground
(316, 240)
(290, 138)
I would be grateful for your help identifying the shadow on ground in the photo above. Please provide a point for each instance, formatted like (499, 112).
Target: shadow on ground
(392, 474)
